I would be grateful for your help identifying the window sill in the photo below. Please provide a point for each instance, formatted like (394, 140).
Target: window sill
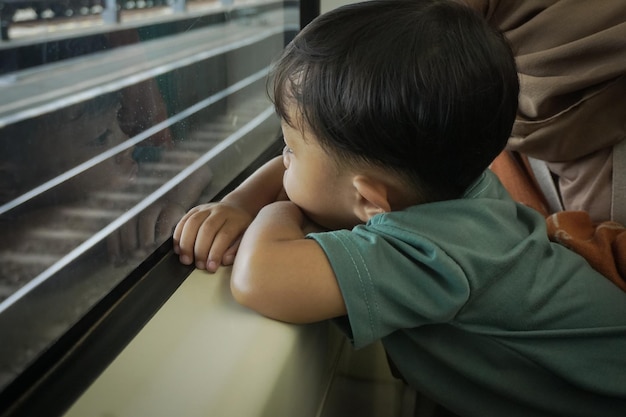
(203, 354)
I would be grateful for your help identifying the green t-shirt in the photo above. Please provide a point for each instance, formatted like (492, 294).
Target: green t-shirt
(479, 310)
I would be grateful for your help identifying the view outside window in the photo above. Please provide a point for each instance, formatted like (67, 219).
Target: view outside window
(115, 119)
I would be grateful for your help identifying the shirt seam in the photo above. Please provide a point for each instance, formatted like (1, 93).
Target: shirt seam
(372, 306)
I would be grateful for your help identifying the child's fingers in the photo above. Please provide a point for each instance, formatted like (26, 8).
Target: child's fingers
(229, 255)
(114, 249)
(178, 230)
(228, 235)
(197, 221)
(197, 240)
(206, 233)
(194, 235)
(147, 223)
(128, 236)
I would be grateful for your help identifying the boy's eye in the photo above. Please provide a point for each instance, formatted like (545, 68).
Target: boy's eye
(102, 138)
(287, 149)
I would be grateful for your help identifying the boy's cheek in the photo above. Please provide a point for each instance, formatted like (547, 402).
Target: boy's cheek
(288, 186)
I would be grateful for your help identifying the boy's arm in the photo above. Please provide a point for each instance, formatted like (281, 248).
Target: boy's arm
(282, 275)
(263, 187)
(209, 233)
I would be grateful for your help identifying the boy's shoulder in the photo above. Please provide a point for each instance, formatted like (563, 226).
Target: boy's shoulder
(482, 200)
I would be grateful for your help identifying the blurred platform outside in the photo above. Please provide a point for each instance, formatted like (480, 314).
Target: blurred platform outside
(25, 28)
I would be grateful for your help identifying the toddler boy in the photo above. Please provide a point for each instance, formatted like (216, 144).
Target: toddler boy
(382, 213)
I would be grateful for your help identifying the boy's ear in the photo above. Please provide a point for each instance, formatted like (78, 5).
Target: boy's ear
(371, 198)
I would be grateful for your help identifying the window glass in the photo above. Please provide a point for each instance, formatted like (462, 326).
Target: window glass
(113, 123)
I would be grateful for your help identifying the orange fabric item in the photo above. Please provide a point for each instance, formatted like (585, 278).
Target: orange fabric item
(603, 245)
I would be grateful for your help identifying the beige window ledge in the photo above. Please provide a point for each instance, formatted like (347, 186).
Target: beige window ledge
(202, 354)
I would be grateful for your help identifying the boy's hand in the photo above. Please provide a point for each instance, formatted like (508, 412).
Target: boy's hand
(144, 233)
(210, 235)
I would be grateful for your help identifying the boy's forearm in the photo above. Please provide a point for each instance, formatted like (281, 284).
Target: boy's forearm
(263, 187)
(282, 275)
(263, 261)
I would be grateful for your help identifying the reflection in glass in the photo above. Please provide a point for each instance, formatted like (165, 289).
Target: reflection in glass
(101, 154)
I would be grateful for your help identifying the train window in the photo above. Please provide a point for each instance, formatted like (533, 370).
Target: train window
(115, 118)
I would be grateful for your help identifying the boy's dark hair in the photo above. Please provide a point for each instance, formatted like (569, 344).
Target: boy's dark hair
(423, 87)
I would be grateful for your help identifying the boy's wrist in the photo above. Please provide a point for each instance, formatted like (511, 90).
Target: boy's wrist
(233, 199)
(251, 202)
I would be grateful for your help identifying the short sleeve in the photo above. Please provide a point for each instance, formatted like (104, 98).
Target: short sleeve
(392, 279)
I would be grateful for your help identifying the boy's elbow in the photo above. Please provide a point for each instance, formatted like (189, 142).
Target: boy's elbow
(249, 287)
(255, 290)
(242, 287)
